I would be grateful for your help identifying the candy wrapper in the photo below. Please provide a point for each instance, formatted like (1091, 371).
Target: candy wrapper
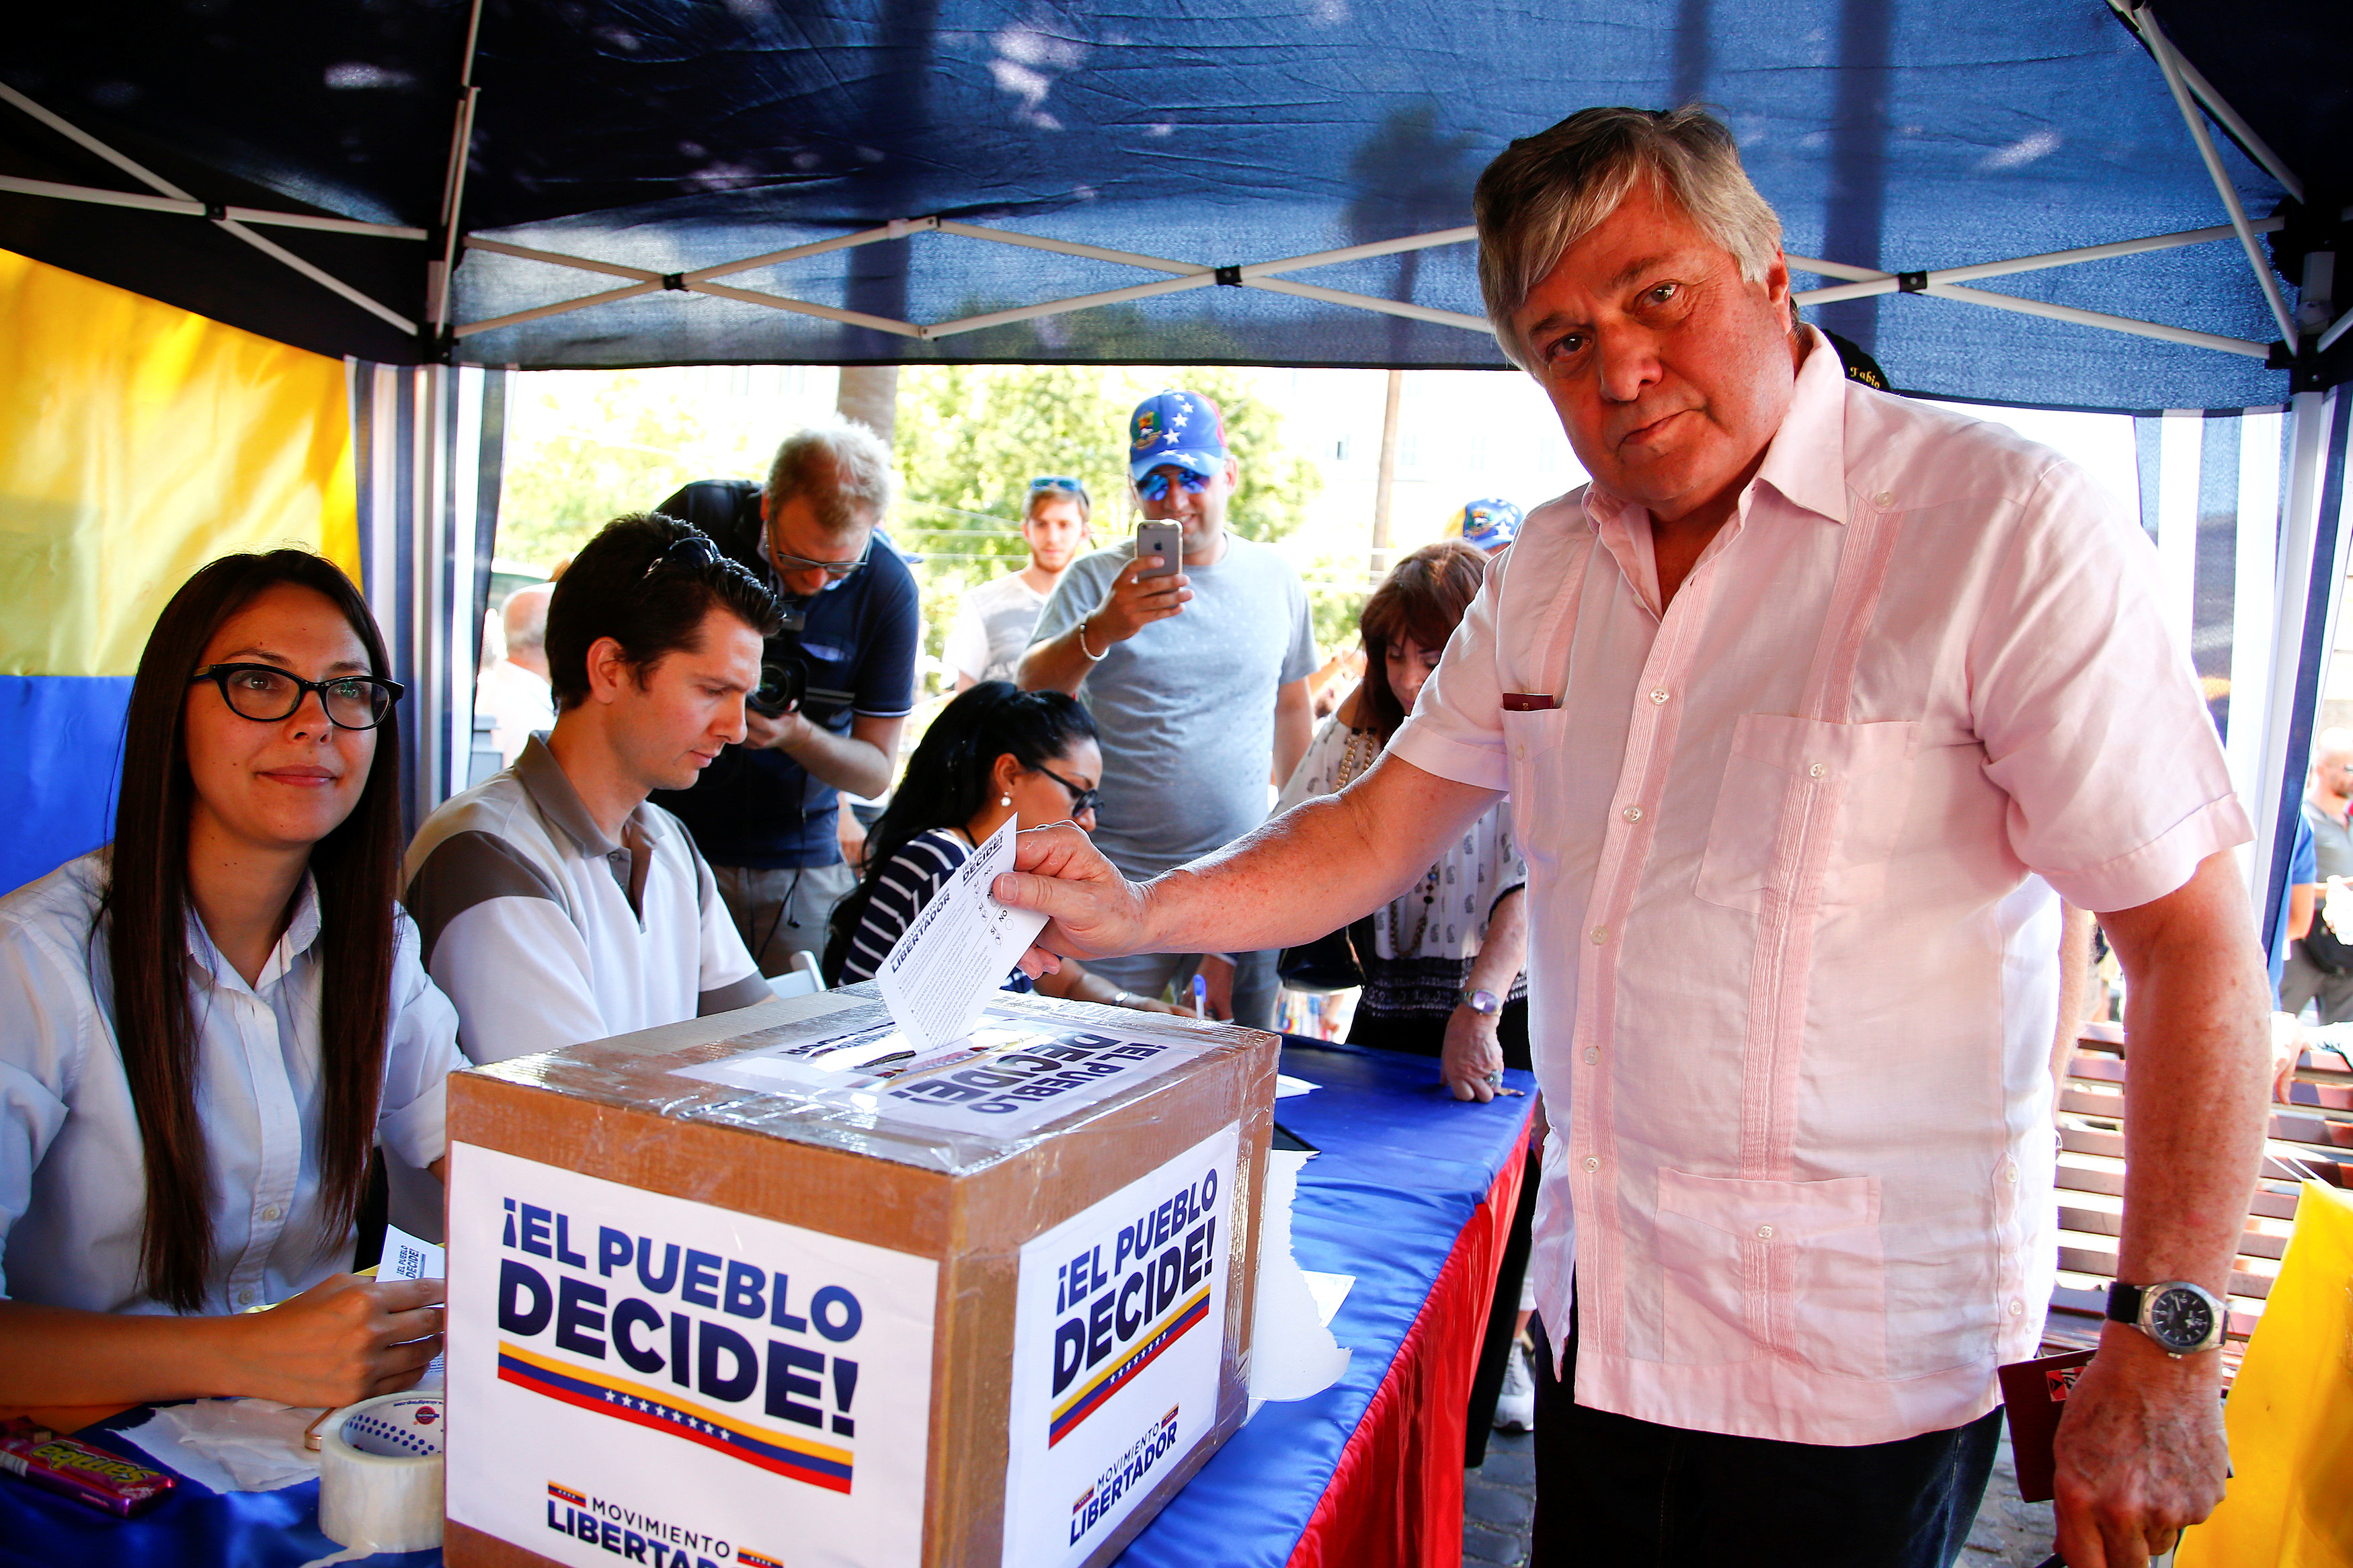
(93, 1477)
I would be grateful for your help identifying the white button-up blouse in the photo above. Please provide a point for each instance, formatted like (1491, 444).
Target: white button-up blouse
(72, 1187)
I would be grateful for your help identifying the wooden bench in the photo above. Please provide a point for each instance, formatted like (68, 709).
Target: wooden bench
(2309, 1139)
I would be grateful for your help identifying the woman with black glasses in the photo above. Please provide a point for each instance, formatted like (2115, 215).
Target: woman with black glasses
(206, 1025)
(994, 753)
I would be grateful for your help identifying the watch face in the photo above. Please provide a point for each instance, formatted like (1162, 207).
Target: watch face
(2180, 1320)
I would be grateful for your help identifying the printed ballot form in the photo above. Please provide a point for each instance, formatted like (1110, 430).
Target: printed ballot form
(956, 951)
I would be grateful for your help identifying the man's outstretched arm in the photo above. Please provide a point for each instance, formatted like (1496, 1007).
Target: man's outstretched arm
(1309, 871)
(2140, 1450)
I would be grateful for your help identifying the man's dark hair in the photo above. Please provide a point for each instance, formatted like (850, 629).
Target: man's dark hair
(609, 592)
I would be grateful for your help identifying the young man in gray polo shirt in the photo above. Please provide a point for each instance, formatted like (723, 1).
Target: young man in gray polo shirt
(1197, 682)
(556, 902)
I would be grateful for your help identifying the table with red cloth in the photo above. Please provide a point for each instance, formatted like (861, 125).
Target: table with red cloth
(1413, 1194)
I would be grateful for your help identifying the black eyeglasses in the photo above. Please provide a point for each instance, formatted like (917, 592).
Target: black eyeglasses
(691, 553)
(837, 570)
(1083, 801)
(268, 695)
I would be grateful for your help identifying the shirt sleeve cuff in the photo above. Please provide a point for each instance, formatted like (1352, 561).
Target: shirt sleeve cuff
(1483, 766)
(2158, 867)
(418, 1132)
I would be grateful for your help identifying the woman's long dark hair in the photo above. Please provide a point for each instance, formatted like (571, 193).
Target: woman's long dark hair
(1423, 598)
(146, 912)
(949, 779)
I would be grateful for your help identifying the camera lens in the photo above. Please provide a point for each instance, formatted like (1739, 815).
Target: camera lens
(783, 679)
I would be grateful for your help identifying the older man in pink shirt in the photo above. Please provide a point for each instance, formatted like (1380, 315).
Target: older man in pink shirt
(1796, 701)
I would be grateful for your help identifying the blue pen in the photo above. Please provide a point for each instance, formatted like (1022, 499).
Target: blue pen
(1200, 995)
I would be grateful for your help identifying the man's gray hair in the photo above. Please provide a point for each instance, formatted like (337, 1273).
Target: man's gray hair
(1545, 193)
(842, 468)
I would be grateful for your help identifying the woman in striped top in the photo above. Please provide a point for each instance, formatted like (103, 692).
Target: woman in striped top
(994, 753)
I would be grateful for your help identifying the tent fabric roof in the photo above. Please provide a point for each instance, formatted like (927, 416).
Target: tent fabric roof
(1213, 132)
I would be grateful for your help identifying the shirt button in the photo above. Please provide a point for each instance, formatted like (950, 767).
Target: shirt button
(1593, 1055)
(1658, 696)
(1764, 1233)
(2015, 1306)
(2009, 1172)
(1885, 498)
(270, 1213)
(1593, 1161)
(1599, 935)
(1521, 752)
(244, 1298)
(1633, 814)
(1818, 771)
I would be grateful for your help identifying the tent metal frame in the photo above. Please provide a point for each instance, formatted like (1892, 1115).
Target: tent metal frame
(2305, 609)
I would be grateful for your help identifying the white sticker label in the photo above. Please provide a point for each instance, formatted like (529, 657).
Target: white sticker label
(682, 1385)
(1117, 1336)
(1013, 1073)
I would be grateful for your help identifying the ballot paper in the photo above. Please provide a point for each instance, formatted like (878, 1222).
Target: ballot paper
(1293, 1353)
(407, 1257)
(956, 951)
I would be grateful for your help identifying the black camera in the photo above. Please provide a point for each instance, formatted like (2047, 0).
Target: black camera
(784, 681)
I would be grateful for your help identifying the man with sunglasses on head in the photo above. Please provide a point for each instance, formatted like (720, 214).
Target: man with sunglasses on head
(995, 621)
(555, 903)
(1197, 677)
(765, 813)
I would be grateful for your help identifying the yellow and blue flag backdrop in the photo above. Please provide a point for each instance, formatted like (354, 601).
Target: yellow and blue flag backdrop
(139, 441)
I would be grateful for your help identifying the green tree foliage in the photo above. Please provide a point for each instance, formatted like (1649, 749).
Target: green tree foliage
(971, 438)
(629, 441)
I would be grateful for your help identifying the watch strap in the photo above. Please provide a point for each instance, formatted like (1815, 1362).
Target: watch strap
(2123, 1303)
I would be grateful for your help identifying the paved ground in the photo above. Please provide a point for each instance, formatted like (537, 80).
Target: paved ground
(1499, 1498)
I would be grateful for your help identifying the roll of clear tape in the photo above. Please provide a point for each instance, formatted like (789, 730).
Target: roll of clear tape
(380, 1473)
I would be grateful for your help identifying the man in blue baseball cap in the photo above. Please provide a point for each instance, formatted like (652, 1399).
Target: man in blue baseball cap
(1197, 678)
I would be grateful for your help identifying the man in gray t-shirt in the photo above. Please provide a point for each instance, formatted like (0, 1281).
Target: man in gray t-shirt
(1197, 682)
(2315, 970)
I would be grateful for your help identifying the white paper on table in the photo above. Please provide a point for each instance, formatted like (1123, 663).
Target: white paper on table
(1285, 1086)
(1293, 1353)
(231, 1444)
(1329, 1290)
(940, 973)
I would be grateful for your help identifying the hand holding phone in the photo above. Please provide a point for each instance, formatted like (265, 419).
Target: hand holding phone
(1165, 540)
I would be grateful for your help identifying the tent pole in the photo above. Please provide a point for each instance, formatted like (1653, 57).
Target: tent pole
(193, 208)
(2312, 552)
(453, 183)
(156, 182)
(2171, 64)
(2218, 107)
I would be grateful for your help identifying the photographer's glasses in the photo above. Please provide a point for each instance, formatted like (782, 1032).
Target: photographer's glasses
(1153, 486)
(1083, 801)
(269, 695)
(837, 570)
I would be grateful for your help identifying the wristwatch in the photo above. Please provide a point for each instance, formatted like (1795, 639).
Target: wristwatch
(1485, 1002)
(2182, 1317)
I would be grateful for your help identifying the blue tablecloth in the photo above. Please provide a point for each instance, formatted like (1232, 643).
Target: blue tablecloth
(1403, 1166)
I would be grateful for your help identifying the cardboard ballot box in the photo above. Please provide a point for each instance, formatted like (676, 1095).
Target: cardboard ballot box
(775, 1289)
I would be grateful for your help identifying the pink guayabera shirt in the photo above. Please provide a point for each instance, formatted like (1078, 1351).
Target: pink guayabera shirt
(1793, 993)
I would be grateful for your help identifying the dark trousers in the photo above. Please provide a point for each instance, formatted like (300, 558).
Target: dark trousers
(1629, 1494)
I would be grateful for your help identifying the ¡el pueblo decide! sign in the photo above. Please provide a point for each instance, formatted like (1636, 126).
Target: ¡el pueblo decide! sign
(676, 1384)
(1118, 1336)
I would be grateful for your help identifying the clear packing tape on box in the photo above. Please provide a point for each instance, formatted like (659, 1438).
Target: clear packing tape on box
(1032, 1162)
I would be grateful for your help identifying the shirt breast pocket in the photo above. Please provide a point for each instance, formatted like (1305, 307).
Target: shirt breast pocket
(1532, 749)
(1807, 796)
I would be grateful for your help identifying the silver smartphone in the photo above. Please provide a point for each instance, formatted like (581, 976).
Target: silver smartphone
(1165, 539)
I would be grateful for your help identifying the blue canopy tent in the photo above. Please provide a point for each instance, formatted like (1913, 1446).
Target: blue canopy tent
(2049, 202)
